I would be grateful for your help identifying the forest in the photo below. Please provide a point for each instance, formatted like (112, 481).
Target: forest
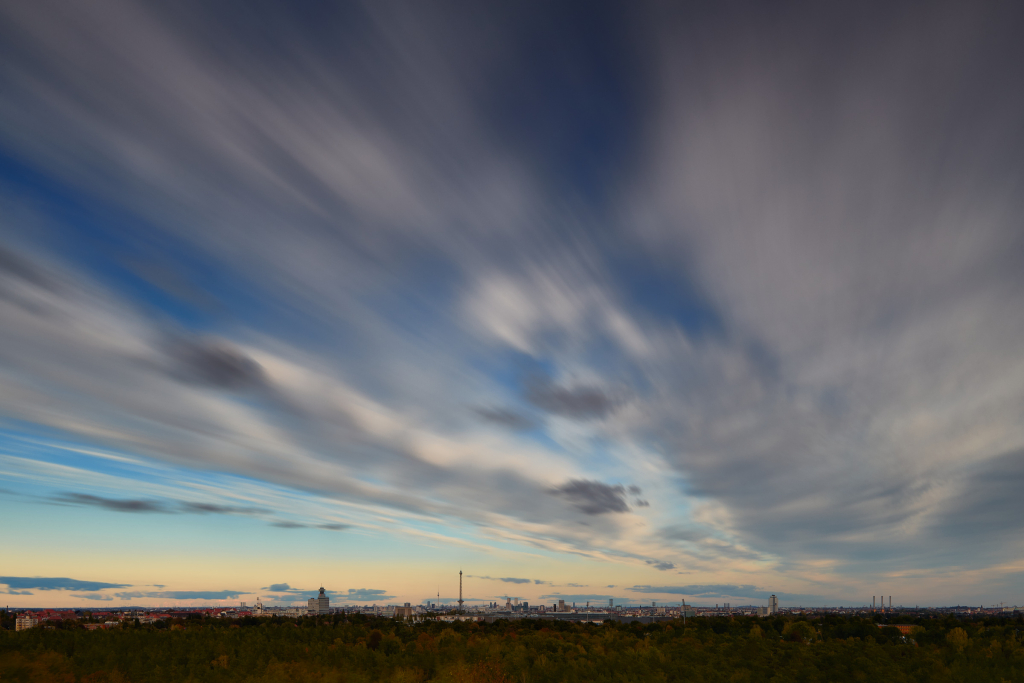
(354, 649)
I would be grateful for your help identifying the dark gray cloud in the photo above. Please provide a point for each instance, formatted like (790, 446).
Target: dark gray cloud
(278, 587)
(506, 418)
(115, 504)
(661, 566)
(214, 362)
(578, 402)
(15, 265)
(989, 501)
(211, 508)
(593, 497)
(155, 506)
(289, 525)
(508, 579)
(334, 527)
(56, 583)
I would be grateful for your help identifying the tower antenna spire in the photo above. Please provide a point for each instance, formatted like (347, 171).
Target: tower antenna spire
(460, 590)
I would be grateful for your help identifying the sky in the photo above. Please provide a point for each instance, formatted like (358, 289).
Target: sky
(631, 301)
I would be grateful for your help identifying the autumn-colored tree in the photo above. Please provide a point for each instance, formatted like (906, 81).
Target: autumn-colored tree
(957, 638)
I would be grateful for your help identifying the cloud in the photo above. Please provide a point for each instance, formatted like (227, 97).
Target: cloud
(147, 506)
(14, 265)
(661, 566)
(576, 585)
(278, 587)
(506, 579)
(506, 418)
(183, 595)
(117, 505)
(16, 592)
(364, 595)
(679, 533)
(578, 403)
(211, 508)
(703, 591)
(334, 527)
(581, 597)
(56, 583)
(833, 320)
(988, 500)
(93, 596)
(214, 362)
(804, 271)
(289, 525)
(593, 497)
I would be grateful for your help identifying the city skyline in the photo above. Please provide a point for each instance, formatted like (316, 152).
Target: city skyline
(643, 302)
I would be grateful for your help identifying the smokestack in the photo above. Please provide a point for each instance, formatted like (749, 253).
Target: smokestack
(872, 597)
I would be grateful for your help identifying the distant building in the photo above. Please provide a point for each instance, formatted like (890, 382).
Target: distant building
(773, 605)
(25, 621)
(404, 612)
(762, 611)
(320, 604)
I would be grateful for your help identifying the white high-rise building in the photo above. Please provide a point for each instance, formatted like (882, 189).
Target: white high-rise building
(773, 605)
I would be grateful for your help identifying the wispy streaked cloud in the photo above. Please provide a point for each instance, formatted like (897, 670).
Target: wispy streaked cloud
(55, 583)
(643, 289)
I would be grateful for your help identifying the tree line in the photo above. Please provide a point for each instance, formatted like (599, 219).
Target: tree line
(357, 649)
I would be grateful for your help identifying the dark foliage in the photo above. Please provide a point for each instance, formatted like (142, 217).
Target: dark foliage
(356, 649)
